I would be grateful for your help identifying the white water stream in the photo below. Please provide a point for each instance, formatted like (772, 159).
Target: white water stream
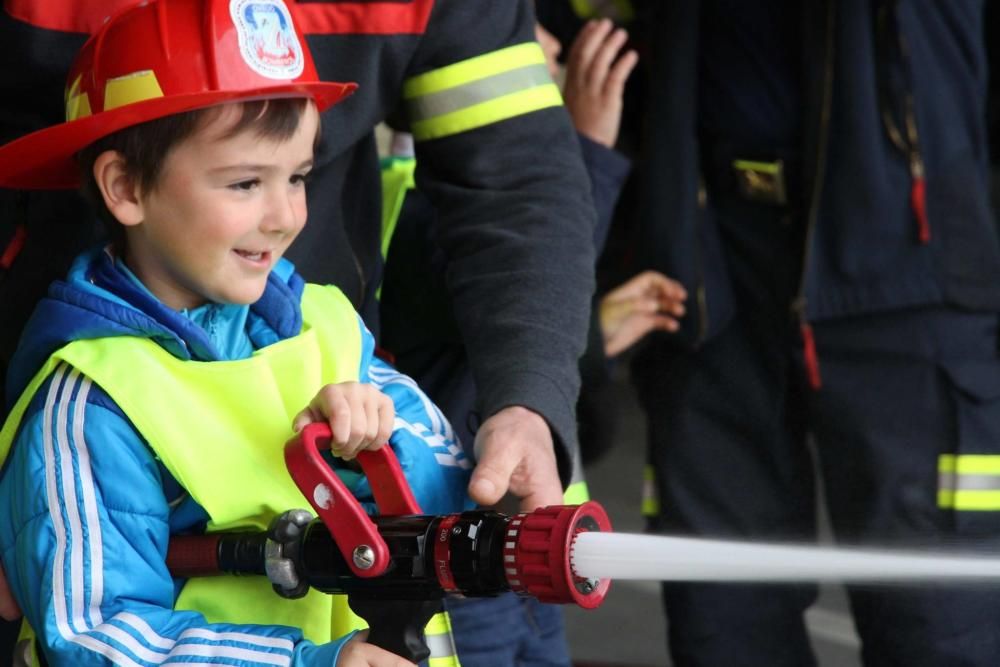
(658, 558)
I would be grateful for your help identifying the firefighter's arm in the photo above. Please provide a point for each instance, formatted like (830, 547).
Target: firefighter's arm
(498, 156)
(84, 537)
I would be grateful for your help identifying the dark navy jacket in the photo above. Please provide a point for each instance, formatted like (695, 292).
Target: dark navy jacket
(861, 252)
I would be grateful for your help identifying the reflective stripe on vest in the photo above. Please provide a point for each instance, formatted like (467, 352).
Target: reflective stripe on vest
(441, 641)
(969, 482)
(479, 91)
(246, 406)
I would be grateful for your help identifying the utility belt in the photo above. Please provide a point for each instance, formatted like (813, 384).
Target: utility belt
(769, 179)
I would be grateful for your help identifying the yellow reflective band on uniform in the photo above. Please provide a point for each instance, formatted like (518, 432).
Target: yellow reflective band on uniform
(77, 103)
(440, 641)
(969, 482)
(615, 9)
(131, 88)
(650, 503)
(576, 494)
(479, 91)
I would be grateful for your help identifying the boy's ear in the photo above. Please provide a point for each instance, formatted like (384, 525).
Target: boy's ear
(119, 189)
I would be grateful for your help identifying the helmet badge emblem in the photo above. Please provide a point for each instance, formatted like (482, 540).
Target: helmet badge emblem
(267, 38)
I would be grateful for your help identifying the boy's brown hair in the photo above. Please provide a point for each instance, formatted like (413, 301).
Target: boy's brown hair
(144, 147)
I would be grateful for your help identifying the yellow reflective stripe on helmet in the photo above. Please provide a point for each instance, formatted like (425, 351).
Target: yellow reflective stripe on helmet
(440, 641)
(77, 103)
(131, 88)
(650, 502)
(969, 482)
(479, 91)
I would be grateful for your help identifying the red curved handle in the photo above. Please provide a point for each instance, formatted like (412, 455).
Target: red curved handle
(340, 511)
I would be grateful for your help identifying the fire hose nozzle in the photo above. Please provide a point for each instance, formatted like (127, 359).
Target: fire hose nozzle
(538, 548)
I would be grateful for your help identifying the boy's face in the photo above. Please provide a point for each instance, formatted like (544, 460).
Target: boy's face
(223, 211)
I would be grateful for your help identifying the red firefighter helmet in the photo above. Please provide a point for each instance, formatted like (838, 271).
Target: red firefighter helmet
(160, 58)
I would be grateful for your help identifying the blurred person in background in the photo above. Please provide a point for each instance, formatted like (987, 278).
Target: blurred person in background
(816, 175)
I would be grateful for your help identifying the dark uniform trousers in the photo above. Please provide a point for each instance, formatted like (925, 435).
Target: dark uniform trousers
(728, 426)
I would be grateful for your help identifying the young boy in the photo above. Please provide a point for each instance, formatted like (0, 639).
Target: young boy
(159, 382)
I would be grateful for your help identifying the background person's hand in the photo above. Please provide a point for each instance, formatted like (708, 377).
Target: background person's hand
(9, 611)
(596, 72)
(360, 417)
(515, 453)
(647, 302)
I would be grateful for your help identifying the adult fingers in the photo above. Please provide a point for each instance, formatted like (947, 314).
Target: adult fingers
(585, 46)
(614, 83)
(514, 451)
(604, 56)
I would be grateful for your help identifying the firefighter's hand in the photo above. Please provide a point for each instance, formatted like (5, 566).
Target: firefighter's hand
(647, 302)
(360, 417)
(596, 71)
(359, 653)
(515, 452)
(9, 611)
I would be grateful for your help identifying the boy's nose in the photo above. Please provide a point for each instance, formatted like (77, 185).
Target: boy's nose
(285, 212)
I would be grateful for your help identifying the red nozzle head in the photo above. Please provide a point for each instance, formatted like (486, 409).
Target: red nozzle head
(537, 550)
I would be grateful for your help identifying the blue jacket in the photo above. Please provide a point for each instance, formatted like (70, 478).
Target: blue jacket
(54, 556)
(861, 253)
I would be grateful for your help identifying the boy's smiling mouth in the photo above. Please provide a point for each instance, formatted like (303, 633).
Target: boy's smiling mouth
(258, 257)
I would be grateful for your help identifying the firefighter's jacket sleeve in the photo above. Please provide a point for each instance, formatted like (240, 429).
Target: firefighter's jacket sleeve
(497, 154)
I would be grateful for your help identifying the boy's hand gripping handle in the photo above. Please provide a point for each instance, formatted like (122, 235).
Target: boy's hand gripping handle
(357, 537)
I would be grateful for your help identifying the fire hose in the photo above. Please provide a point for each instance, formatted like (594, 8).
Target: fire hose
(397, 567)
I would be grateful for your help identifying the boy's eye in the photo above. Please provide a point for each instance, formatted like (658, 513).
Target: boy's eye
(246, 185)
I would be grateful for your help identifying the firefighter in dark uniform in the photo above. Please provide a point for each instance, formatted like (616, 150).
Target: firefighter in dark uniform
(816, 175)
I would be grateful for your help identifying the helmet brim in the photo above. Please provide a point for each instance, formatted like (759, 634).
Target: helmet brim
(45, 160)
